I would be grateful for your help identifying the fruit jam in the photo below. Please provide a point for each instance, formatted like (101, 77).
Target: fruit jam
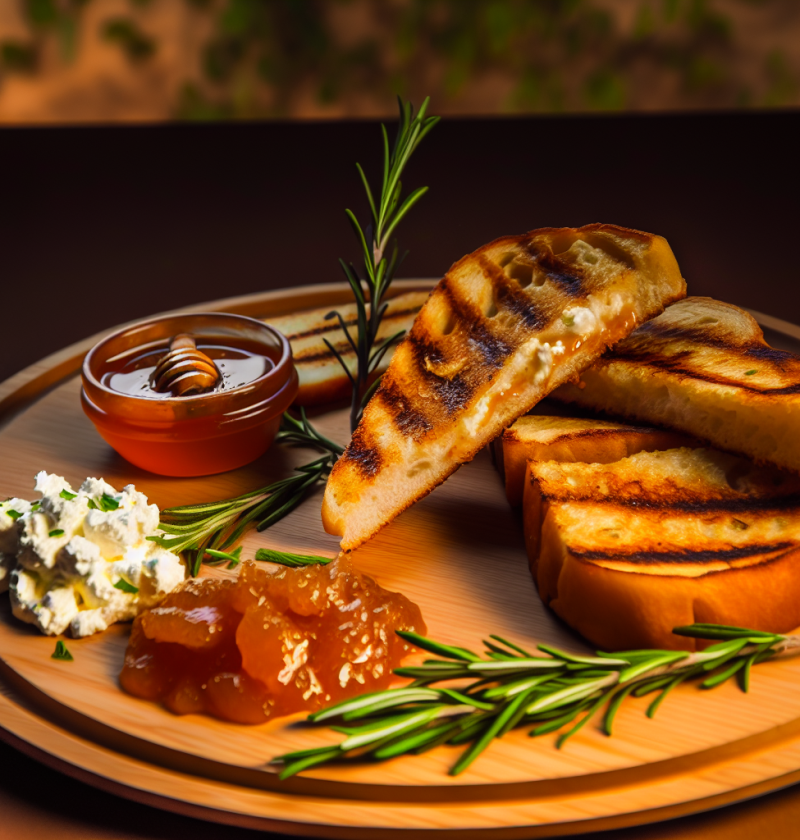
(272, 642)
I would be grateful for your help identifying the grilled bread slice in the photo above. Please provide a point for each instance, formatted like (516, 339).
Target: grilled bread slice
(505, 326)
(571, 439)
(703, 368)
(624, 552)
(321, 376)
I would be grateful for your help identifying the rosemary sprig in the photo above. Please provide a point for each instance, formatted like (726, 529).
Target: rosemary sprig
(508, 687)
(233, 558)
(387, 213)
(209, 529)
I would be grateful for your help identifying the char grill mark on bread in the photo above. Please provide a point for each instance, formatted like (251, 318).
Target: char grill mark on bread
(569, 278)
(699, 506)
(505, 326)
(490, 346)
(512, 297)
(653, 349)
(626, 551)
(409, 420)
(703, 368)
(439, 395)
(364, 454)
(686, 555)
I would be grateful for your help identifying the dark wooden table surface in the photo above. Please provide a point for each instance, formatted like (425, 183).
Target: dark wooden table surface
(104, 225)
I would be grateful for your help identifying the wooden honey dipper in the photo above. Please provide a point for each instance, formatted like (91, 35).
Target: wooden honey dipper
(184, 370)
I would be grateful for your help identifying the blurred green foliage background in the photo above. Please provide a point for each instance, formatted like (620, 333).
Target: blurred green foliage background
(235, 59)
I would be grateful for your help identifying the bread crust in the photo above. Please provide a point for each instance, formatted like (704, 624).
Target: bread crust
(616, 613)
(505, 326)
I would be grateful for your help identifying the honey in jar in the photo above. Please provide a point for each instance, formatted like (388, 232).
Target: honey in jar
(272, 642)
(217, 429)
(237, 365)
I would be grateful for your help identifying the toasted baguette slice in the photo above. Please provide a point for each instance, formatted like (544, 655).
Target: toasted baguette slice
(505, 326)
(322, 378)
(702, 368)
(625, 552)
(570, 439)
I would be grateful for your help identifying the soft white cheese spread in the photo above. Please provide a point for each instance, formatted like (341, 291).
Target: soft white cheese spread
(11, 512)
(81, 560)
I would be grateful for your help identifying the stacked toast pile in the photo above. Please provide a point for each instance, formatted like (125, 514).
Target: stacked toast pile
(631, 529)
(635, 531)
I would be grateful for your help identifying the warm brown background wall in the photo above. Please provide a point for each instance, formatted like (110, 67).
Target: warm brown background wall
(112, 60)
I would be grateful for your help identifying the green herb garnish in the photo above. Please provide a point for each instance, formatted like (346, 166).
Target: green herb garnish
(750, 372)
(508, 687)
(61, 653)
(270, 555)
(234, 557)
(107, 503)
(36, 506)
(387, 213)
(14, 514)
(65, 494)
(124, 586)
(196, 529)
(56, 532)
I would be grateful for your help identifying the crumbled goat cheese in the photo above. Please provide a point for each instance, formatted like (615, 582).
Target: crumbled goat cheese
(64, 558)
(580, 320)
(544, 363)
(11, 512)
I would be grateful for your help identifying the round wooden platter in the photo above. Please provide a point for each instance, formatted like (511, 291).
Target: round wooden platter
(459, 554)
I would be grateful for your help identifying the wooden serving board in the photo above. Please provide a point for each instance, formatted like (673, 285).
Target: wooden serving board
(459, 554)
